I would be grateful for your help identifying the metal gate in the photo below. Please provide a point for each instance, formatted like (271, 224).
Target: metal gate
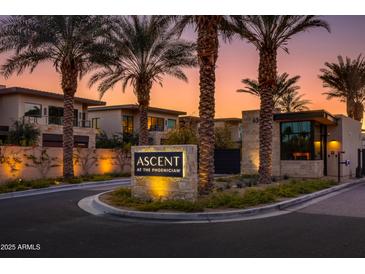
(227, 161)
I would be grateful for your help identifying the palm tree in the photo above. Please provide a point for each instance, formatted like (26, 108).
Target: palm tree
(284, 85)
(292, 101)
(143, 50)
(346, 79)
(208, 29)
(70, 43)
(268, 33)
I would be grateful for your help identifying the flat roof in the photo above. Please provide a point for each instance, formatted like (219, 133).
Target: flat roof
(40, 93)
(228, 120)
(135, 107)
(321, 116)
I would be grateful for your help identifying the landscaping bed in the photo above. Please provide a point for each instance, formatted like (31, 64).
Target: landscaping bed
(235, 192)
(20, 185)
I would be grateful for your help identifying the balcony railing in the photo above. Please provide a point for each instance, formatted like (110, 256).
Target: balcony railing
(55, 120)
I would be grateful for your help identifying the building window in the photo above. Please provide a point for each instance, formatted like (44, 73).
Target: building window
(128, 124)
(171, 123)
(297, 141)
(32, 110)
(155, 124)
(95, 123)
(56, 116)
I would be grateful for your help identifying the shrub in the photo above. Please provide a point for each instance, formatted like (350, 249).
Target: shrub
(223, 138)
(181, 136)
(23, 133)
(222, 199)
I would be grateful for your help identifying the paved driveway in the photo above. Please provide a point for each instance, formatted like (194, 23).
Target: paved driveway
(331, 228)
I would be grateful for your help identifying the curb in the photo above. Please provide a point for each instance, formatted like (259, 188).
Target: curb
(96, 205)
(53, 189)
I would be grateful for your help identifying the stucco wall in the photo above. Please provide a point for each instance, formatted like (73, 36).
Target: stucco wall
(110, 121)
(346, 136)
(17, 163)
(10, 111)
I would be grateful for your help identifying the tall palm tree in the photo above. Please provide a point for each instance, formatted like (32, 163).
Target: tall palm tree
(208, 29)
(69, 43)
(292, 101)
(143, 50)
(284, 85)
(268, 33)
(346, 79)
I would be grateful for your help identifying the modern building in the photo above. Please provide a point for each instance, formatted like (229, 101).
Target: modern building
(45, 110)
(125, 119)
(305, 144)
(233, 124)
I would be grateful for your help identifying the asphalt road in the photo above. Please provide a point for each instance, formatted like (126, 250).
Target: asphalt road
(331, 228)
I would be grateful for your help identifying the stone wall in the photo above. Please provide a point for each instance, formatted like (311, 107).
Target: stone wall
(302, 168)
(168, 188)
(250, 144)
(21, 162)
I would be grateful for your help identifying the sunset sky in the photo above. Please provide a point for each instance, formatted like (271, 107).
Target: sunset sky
(237, 60)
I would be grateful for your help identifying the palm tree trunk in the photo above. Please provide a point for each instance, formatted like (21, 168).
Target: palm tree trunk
(207, 54)
(69, 86)
(143, 89)
(358, 111)
(350, 107)
(267, 82)
(143, 125)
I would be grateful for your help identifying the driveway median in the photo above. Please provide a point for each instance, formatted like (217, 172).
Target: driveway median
(95, 206)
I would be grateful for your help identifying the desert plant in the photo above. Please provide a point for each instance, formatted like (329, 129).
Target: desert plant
(208, 28)
(292, 102)
(284, 85)
(86, 158)
(23, 133)
(181, 136)
(122, 156)
(42, 161)
(71, 44)
(223, 138)
(268, 33)
(143, 51)
(346, 79)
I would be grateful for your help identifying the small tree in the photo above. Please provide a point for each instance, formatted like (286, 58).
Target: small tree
(23, 133)
(85, 158)
(181, 136)
(122, 156)
(42, 161)
(223, 138)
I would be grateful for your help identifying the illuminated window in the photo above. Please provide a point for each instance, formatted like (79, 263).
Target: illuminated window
(156, 124)
(302, 140)
(128, 124)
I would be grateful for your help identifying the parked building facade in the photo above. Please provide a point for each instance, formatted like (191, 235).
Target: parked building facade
(305, 144)
(125, 119)
(45, 110)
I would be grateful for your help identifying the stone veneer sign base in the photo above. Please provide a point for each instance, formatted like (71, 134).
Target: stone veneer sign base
(164, 172)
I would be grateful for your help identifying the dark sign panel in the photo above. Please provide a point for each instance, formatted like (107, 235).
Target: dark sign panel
(167, 164)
